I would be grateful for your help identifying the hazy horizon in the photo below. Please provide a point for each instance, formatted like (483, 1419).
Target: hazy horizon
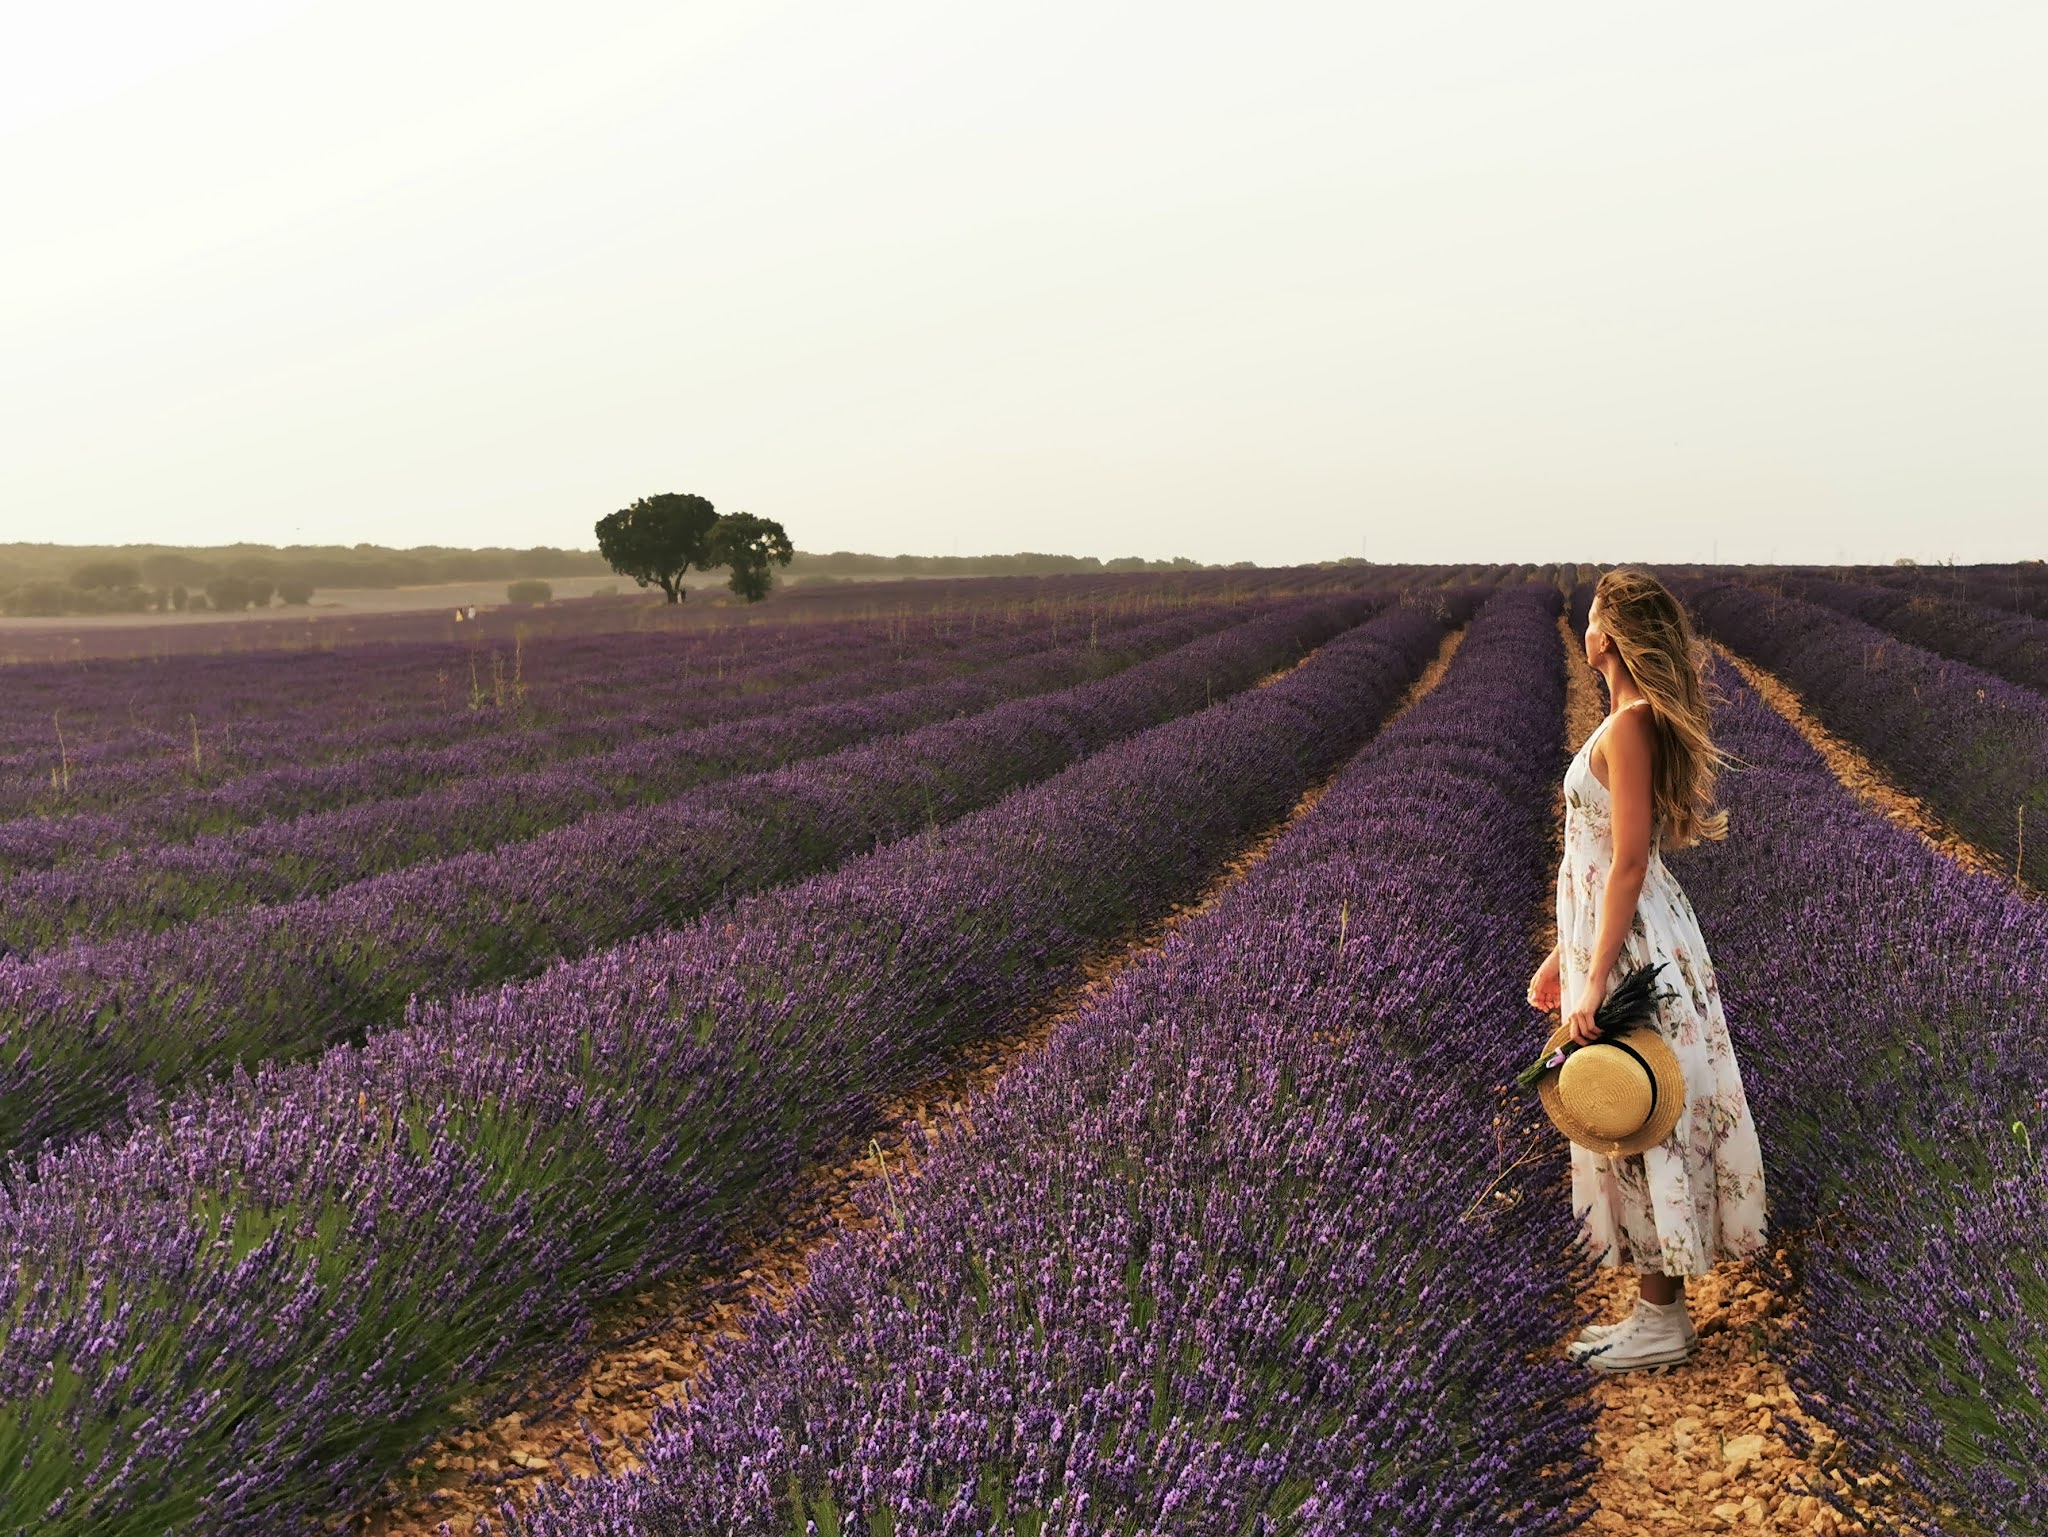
(1446, 284)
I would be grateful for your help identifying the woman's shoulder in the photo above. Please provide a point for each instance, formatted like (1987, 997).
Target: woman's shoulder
(1630, 726)
(1626, 717)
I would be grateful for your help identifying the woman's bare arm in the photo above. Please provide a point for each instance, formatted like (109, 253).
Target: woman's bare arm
(1627, 746)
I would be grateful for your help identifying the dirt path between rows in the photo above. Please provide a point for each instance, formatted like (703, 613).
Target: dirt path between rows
(672, 1324)
(1865, 780)
(1699, 1447)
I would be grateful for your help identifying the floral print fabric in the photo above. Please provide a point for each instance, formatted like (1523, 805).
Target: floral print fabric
(1698, 1196)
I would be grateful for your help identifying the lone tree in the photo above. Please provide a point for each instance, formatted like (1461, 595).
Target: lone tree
(659, 538)
(747, 544)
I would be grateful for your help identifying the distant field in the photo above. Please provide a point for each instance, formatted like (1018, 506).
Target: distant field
(350, 601)
(350, 614)
(416, 599)
(355, 600)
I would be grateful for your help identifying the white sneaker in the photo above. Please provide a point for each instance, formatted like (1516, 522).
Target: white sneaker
(1654, 1335)
(1594, 1334)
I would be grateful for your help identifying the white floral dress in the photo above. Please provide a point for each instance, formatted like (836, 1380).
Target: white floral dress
(1698, 1196)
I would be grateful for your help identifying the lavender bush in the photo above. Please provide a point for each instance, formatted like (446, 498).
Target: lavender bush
(235, 766)
(1223, 1257)
(82, 1028)
(271, 1292)
(2020, 587)
(2014, 646)
(129, 725)
(390, 663)
(1974, 746)
(373, 762)
(1890, 1010)
(276, 862)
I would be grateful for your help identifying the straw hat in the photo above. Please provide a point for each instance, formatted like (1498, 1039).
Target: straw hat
(1618, 1096)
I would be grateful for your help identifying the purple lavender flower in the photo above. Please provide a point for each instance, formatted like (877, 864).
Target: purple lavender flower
(1202, 1265)
(272, 1289)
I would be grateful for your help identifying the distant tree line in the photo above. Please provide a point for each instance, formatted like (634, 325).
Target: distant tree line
(57, 579)
(810, 565)
(74, 579)
(121, 586)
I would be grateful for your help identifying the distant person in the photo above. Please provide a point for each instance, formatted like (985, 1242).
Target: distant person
(472, 611)
(1692, 1191)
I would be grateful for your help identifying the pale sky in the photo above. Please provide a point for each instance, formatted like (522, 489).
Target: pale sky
(1266, 281)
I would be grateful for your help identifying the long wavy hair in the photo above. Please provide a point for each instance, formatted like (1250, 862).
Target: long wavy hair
(1668, 662)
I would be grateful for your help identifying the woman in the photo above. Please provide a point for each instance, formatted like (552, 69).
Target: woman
(1643, 783)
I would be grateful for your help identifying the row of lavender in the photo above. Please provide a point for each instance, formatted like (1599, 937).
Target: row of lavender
(269, 1294)
(293, 702)
(148, 690)
(85, 1027)
(2020, 587)
(1999, 590)
(1970, 744)
(166, 884)
(1223, 1257)
(270, 707)
(283, 695)
(689, 692)
(647, 677)
(645, 613)
(2015, 646)
(1891, 1011)
(845, 660)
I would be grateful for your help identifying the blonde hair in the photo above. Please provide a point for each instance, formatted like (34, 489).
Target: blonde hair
(1667, 661)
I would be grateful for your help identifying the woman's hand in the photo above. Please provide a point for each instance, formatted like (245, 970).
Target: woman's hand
(1543, 985)
(1580, 1017)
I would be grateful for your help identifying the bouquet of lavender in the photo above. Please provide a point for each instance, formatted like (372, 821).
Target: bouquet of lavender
(1631, 1003)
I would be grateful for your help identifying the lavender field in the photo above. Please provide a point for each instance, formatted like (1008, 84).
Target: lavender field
(383, 1011)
